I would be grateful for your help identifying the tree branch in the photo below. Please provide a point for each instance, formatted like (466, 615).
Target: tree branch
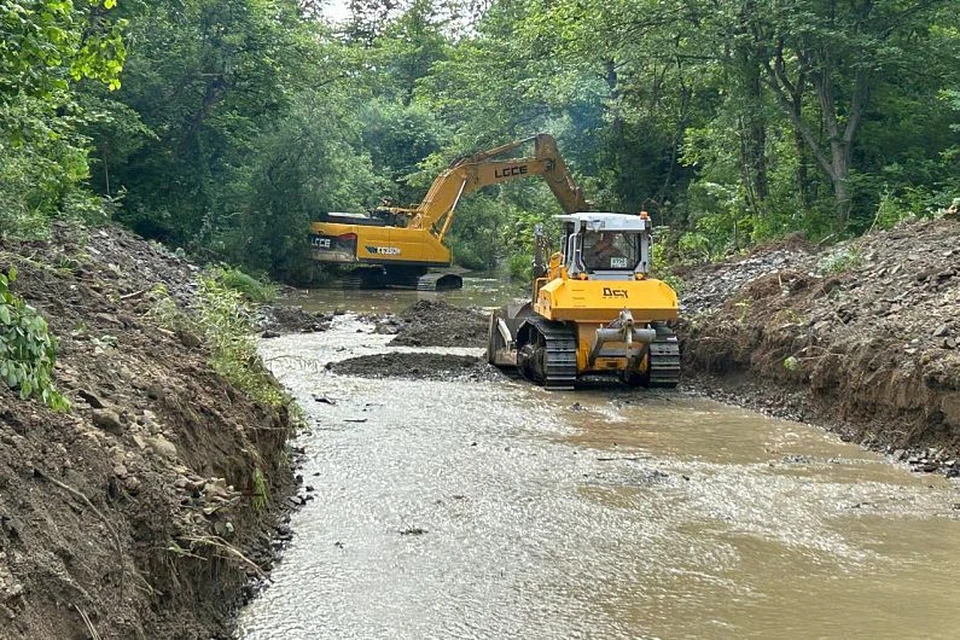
(858, 105)
(787, 106)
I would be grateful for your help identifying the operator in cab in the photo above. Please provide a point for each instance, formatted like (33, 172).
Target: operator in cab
(601, 251)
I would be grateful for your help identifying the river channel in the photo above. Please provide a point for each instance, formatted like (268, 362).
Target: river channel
(495, 509)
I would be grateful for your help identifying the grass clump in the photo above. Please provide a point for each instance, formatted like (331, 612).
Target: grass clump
(222, 318)
(252, 289)
(841, 260)
(261, 495)
(227, 325)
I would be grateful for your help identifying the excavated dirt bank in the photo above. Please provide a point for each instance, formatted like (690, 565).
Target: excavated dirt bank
(135, 509)
(863, 336)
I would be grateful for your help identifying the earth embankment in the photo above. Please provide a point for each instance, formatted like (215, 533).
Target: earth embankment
(863, 336)
(143, 511)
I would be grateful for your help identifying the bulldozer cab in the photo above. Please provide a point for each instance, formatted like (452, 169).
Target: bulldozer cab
(606, 246)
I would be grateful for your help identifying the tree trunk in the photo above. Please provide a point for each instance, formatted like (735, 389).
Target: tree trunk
(840, 136)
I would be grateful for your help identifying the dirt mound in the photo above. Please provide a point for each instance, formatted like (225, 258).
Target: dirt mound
(137, 507)
(864, 334)
(279, 319)
(417, 366)
(434, 323)
(708, 287)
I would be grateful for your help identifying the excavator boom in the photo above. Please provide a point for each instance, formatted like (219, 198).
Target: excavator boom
(479, 170)
(407, 241)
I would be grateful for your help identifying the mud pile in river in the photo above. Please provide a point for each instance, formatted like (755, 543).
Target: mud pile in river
(435, 323)
(142, 508)
(416, 366)
(864, 336)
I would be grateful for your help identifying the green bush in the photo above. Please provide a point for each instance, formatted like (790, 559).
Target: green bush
(521, 267)
(28, 350)
(253, 290)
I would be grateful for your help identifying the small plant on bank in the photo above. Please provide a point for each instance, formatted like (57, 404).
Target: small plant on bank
(261, 496)
(28, 350)
(253, 290)
(840, 261)
(227, 324)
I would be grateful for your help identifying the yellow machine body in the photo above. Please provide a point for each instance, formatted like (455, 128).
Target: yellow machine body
(411, 240)
(593, 304)
(379, 245)
(592, 312)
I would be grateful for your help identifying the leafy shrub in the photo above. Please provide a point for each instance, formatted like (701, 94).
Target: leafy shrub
(520, 266)
(28, 351)
(254, 290)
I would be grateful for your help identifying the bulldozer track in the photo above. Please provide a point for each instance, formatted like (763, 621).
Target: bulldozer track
(664, 359)
(559, 364)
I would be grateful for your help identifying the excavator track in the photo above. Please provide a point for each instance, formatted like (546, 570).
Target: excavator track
(551, 359)
(664, 359)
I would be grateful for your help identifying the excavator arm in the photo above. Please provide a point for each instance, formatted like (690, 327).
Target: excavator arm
(398, 245)
(474, 172)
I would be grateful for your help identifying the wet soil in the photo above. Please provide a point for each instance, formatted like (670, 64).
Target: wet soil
(435, 323)
(280, 319)
(134, 509)
(416, 366)
(862, 337)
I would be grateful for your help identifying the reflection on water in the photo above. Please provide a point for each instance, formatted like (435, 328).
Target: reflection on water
(598, 514)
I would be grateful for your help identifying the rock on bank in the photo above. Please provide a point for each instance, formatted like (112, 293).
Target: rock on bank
(864, 336)
(140, 512)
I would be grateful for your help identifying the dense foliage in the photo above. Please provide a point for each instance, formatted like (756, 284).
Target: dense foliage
(226, 126)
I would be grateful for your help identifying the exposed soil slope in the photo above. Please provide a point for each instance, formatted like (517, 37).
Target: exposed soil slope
(865, 335)
(132, 508)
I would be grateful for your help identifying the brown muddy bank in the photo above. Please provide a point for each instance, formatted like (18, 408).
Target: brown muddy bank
(862, 337)
(140, 509)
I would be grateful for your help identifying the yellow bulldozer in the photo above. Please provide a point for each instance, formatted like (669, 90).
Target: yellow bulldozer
(394, 246)
(594, 310)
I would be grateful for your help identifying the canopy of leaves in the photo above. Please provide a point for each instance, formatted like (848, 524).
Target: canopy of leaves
(233, 123)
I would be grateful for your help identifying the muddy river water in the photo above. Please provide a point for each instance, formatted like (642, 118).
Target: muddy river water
(478, 509)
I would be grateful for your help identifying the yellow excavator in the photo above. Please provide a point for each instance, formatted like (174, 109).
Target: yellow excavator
(393, 246)
(594, 310)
